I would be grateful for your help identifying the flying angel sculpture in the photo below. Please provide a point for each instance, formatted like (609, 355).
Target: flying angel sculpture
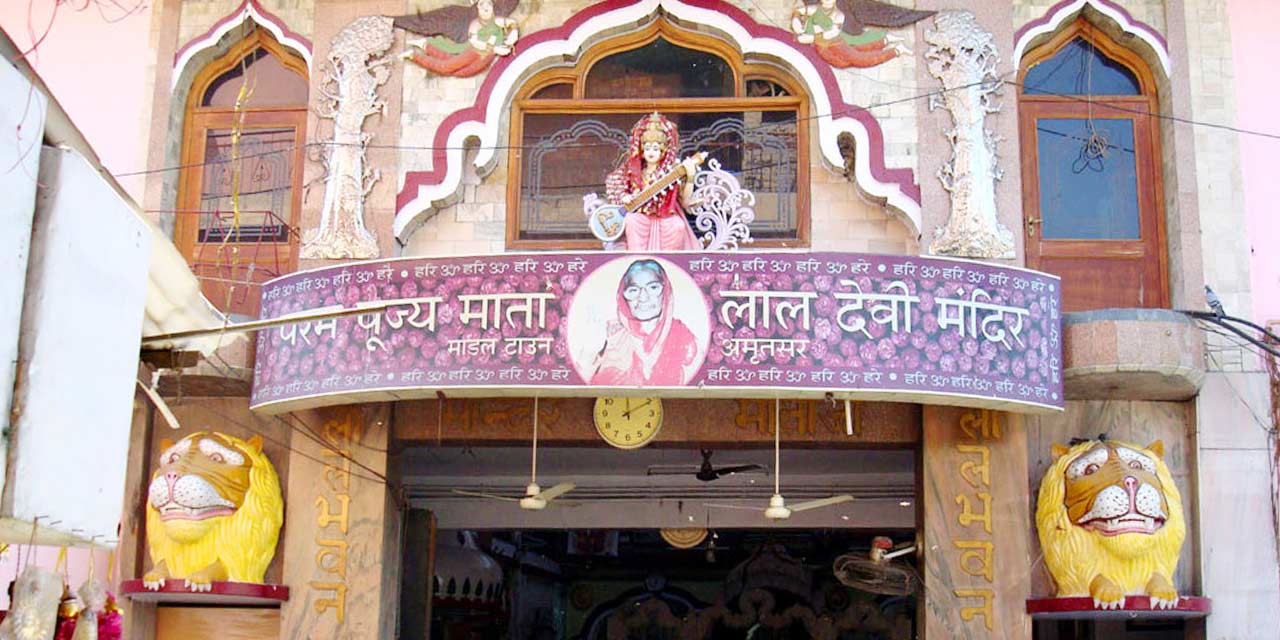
(458, 40)
(853, 33)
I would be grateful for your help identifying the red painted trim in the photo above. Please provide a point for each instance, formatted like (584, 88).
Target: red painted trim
(237, 15)
(904, 178)
(265, 592)
(1134, 607)
(1052, 11)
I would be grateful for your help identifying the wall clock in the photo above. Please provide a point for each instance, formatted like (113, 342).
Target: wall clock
(628, 423)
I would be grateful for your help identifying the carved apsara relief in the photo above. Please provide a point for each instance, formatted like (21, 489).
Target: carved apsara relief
(963, 57)
(461, 41)
(853, 33)
(356, 68)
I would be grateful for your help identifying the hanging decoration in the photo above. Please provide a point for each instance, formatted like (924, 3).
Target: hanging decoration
(111, 620)
(214, 512)
(33, 612)
(1110, 522)
(461, 41)
(1096, 145)
(93, 596)
(853, 33)
(69, 606)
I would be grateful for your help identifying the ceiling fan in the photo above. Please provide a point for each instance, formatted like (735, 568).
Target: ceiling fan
(778, 509)
(535, 497)
(705, 472)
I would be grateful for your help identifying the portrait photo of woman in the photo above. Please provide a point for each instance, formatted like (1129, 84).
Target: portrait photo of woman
(646, 344)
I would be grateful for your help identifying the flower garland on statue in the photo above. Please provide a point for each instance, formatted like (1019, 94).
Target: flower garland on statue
(653, 152)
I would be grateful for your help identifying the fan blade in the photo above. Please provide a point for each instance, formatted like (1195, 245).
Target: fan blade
(730, 506)
(556, 491)
(671, 470)
(741, 468)
(477, 494)
(821, 502)
(902, 551)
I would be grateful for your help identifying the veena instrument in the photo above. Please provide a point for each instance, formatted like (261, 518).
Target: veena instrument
(607, 220)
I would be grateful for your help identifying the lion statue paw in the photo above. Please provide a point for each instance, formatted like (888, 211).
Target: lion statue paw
(1163, 595)
(1106, 594)
(153, 581)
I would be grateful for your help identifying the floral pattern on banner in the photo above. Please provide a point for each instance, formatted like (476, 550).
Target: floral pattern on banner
(806, 321)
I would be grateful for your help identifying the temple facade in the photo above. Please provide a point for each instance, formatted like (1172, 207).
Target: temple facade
(704, 319)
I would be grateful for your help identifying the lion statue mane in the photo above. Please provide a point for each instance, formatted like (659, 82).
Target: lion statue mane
(1110, 522)
(214, 511)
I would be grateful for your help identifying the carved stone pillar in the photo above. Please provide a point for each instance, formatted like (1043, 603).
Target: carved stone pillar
(348, 209)
(970, 180)
(341, 534)
(348, 92)
(977, 525)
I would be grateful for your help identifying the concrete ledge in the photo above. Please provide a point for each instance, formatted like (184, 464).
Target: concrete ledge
(1131, 354)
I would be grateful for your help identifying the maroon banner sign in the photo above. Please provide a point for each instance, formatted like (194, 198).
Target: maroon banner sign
(679, 324)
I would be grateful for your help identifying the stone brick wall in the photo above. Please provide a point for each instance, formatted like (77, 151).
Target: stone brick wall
(841, 217)
(199, 15)
(1219, 188)
(1148, 11)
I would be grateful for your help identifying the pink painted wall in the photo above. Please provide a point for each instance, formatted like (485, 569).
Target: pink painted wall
(96, 61)
(1255, 50)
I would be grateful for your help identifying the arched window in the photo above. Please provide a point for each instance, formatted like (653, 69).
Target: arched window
(569, 128)
(232, 254)
(1092, 194)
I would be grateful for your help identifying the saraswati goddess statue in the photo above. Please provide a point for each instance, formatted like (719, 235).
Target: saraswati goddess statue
(653, 187)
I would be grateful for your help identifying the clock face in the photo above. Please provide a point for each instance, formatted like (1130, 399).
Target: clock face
(628, 423)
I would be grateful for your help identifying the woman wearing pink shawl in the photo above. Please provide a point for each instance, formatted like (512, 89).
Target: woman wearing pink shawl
(647, 345)
(658, 225)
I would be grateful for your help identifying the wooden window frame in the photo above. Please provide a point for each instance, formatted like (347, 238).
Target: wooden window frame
(1147, 151)
(524, 103)
(199, 120)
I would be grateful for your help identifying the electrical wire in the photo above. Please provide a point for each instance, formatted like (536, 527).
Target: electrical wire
(1268, 429)
(306, 430)
(211, 408)
(1101, 104)
(1226, 323)
(1215, 324)
(852, 109)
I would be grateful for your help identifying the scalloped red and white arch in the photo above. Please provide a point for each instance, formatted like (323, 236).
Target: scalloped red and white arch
(424, 190)
(1056, 15)
(248, 10)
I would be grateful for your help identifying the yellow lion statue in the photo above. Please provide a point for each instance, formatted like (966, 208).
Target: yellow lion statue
(1110, 523)
(214, 511)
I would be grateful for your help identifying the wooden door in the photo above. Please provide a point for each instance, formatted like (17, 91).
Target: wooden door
(1092, 200)
(217, 623)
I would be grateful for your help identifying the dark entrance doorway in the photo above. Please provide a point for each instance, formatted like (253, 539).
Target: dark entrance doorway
(607, 584)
